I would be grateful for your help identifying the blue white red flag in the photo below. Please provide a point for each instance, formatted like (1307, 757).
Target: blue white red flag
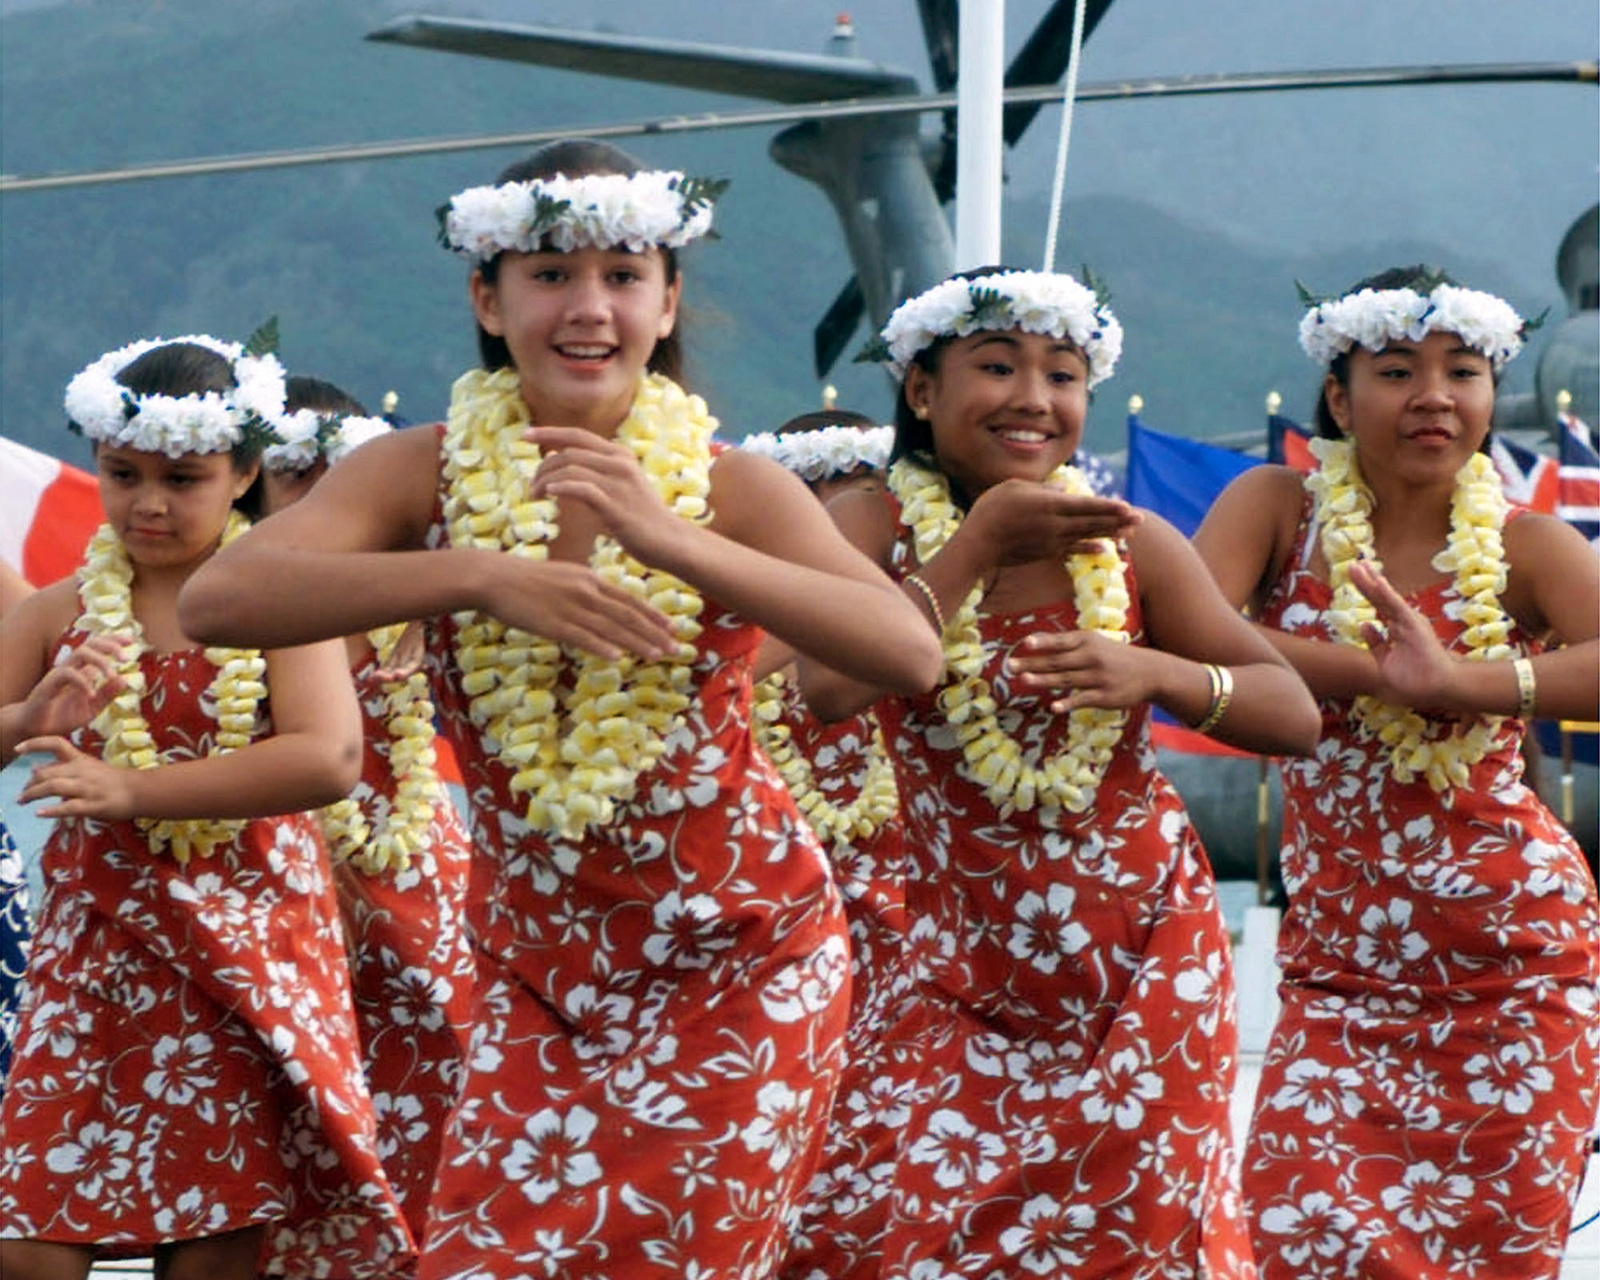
(1529, 478)
(1578, 489)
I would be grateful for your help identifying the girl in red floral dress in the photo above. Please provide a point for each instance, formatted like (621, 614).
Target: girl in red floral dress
(841, 778)
(187, 1078)
(1430, 1087)
(1075, 1040)
(401, 856)
(662, 955)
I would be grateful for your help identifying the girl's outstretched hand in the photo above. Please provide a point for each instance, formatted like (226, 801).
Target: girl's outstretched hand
(605, 476)
(1089, 670)
(1022, 521)
(405, 659)
(1414, 669)
(86, 785)
(69, 696)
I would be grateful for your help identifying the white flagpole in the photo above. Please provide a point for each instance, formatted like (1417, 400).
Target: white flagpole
(979, 140)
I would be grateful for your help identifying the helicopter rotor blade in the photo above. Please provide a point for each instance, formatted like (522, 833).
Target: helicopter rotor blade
(837, 326)
(1125, 90)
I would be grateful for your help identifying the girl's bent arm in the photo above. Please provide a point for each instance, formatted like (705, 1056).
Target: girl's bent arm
(348, 557)
(312, 758)
(1271, 710)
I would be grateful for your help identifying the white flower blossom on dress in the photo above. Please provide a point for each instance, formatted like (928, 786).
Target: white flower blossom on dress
(552, 1154)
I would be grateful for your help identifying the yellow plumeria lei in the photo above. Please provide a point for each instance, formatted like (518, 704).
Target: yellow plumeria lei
(574, 755)
(990, 758)
(105, 588)
(403, 830)
(1475, 555)
(876, 800)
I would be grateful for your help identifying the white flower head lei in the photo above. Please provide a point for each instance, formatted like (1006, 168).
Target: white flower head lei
(1044, 302)
(107, 412)
(1474, 553)
(826, 452)
(1373, 318)
(305, 435)
(638, 211)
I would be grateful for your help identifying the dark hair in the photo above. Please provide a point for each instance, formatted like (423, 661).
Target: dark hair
(818, 419)
(577, 158)
(188, 369)
(1421, 277)
(913, 437)
(320, 396)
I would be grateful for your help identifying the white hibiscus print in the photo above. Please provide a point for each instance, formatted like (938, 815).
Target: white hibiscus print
(1044, 930)
(1316, 1225)
(552, 1155)
(183, 1069)
(99, 1155)
(1050, 1237)
(1320, 1091)
(1427, 1199)
(687, 932)
(1508, 1078)
(1387, 945)
(782, 1125)
(1118, 1089)
(960, 1154)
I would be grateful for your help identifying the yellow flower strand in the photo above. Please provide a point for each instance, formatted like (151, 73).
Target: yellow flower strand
(575, 755)
(989, 757)
(876, 800)
(1476, 556)
(105, 588)
(403, 829)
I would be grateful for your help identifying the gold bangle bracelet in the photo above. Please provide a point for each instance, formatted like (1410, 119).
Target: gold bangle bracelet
(1221, 679)
(927, 594)
(1527, 687)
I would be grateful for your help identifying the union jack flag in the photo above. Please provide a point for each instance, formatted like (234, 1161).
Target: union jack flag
(1578, 487)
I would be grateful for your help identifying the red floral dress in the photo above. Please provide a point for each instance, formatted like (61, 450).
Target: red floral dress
(411, 969)
(187, 1062)
(1431, 1084)
(840, 1233)
(659, 1014)
(1076, 1046)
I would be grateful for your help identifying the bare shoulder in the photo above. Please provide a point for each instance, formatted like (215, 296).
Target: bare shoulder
(1554, 576)
(380, 498)
(748, 490)
(29, 632)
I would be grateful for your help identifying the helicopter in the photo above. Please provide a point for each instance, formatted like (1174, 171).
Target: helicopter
(856, 128)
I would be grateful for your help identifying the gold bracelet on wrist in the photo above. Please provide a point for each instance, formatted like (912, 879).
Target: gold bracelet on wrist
(928, 594)
(1221, 679)
(1527, 687)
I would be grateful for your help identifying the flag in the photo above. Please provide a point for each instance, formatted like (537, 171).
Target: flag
(1578, 482)
(1289, 444)
(1177, 478)
(1529, 478)
(48, 513)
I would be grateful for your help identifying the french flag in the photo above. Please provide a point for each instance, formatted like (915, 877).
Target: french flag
(48, 512)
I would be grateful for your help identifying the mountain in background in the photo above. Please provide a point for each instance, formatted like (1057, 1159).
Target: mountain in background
(1198, 215)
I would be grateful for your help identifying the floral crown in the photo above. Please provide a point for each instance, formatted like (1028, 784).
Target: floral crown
(601, 210)
(825, 452)
(101, 408)
(1044, 302)
(1372, 318)
(305, 435)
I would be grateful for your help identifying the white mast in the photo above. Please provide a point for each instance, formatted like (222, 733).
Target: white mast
(979, 140)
